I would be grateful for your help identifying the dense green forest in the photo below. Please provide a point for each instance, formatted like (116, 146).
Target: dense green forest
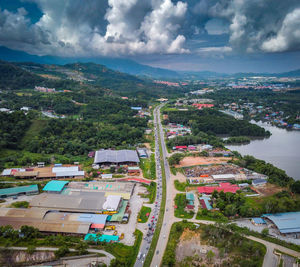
(12, 128)
(214, 122)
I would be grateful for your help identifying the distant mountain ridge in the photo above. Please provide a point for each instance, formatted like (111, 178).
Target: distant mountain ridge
(131, 67)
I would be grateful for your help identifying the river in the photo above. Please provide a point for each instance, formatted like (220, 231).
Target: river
(282, 149)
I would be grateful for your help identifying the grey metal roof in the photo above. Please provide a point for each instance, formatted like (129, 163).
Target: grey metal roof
(116, 156)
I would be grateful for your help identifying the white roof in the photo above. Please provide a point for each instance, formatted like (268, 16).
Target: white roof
(223, 176)
(6, 172)
(70, 173)
(65, 169)
(112, 202)
(106, 176)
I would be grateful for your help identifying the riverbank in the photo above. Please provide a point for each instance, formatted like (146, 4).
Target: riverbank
(281, 149)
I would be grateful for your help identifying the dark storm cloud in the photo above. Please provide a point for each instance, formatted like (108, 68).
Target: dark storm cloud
(130, 27)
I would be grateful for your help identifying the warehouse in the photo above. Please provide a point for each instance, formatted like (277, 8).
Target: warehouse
(286, 223)
(74, 202)
(78, 228)
(119, 157)
(19, 190)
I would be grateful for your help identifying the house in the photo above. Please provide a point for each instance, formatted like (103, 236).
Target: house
(258, 221)
(142, 153)
(180, 148)
(259, 182)
(134, 171)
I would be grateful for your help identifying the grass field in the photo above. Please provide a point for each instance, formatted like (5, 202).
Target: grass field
(180, 202)
(142, 217)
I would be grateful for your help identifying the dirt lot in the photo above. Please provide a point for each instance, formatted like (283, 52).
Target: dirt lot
(192, 161)
(190, 246)
(268, 189)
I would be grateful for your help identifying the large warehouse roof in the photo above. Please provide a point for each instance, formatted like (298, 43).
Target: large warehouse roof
(116, 156)
(19, 190)
(77, 201)
(47, 226)
(288, 222)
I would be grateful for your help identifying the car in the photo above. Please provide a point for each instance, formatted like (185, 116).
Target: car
(157, 251)
(139, 255)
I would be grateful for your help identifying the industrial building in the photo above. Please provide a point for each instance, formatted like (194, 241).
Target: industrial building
(57, 172)
(19, 190)
(286, 223)
(119, 157)
(75, 208)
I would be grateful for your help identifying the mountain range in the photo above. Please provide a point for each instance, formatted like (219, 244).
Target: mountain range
(131, 67)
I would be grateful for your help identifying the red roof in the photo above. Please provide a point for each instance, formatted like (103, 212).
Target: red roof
(97, 226)
(180, 147)
(226, 187)
(136, 180)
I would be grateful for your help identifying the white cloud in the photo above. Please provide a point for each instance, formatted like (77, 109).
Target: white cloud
(288, 37)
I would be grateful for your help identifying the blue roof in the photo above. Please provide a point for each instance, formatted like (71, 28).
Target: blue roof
(101, 238)
(259, 220)
(55, 186)
(92, 218)
(206, 200)
(288, 222)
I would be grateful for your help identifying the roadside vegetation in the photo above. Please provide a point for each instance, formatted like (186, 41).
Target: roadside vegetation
(142, 216)
(180, 204)
(148, 167)
(151, 192)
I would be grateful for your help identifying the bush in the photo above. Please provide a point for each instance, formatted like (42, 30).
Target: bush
(62, 251)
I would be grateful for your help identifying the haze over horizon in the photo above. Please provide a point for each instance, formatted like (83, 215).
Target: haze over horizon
(216, 35)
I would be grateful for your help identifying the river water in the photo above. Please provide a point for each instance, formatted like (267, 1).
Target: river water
(282, 149)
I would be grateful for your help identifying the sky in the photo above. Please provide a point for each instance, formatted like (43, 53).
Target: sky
(195, 35)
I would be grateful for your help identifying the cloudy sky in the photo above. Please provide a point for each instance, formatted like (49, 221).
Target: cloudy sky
(219, 35)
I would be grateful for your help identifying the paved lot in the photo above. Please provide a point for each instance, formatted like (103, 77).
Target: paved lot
(136, 202)
(10, 200)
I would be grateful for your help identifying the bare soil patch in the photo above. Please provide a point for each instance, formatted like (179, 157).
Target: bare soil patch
(268, 189)
(193, 161)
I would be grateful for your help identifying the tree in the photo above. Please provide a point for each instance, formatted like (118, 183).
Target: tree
(265, 232)
(62, 251)
(295, 187)
(31, 249)
(210, 255)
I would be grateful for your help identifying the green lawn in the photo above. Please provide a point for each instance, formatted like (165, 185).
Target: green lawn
(142, 217)
(180, 202)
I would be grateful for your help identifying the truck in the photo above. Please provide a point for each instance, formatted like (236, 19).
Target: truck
(110, 227)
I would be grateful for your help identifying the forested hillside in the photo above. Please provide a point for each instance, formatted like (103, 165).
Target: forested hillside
(215, 122)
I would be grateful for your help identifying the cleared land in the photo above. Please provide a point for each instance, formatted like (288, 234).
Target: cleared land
(192, 161)
(268, 189)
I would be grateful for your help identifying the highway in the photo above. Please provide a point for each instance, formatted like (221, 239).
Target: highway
(145, 245)
(169, 208)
